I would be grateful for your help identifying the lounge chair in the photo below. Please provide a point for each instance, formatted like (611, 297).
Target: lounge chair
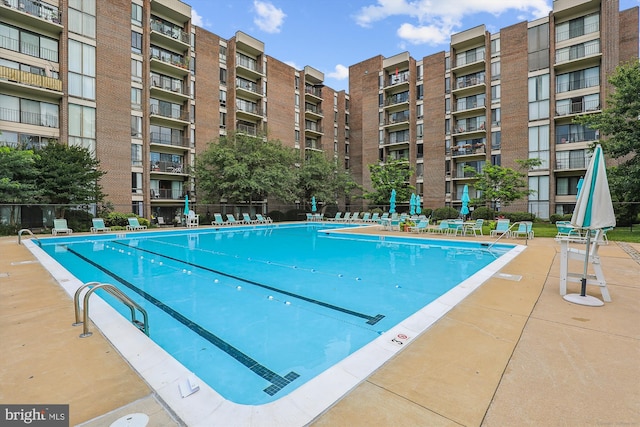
(192, 220)
(60, 227)
(421, 227)
(217, 220)
(502, 227)
(525, 229)
(134, 225)
(565, 229)
(366, 217)
(262, 219)
(162, 222)
(355, 216)
(337, 217)
(231, 220)
(375, 217)
(98, 225)
(442, 228)
(247, 219)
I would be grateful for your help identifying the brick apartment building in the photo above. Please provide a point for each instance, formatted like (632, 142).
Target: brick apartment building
(86, 72)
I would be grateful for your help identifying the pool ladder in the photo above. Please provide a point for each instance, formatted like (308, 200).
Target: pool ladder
(115, 292)
(26, 230)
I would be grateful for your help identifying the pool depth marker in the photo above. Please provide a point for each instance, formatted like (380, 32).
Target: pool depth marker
(371, 320)
(277, 382)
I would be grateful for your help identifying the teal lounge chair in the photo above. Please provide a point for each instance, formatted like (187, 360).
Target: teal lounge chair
(60, 227)
(262, 219)
(525, 229)
(565, 229)
(98, 225)
(247, 219)
(421, 227)
(217, 220)
(442, 228)
(337, 217)
(502, 227)
(134, 225)
(231, 220)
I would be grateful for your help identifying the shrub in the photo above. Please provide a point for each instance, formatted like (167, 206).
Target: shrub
(559, 217)
(294, 215)
(78, 220)
(445, 213)
(426, 212)
(276, 216)
(483, 212)
(519, 216)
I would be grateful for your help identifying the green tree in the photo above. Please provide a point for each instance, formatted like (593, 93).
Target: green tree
(323, 178)
(242, 168)
(68, 175)
(501, 185)
(17, 178)
(394, 174)
(619, 124)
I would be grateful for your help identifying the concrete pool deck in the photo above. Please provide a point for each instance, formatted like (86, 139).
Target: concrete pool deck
(513, 352)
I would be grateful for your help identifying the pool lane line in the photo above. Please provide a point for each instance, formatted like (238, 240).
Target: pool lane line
(371, 320)
(277, 382)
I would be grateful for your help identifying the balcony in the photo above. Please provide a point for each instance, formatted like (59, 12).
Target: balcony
(33, 13)
(313, 91)
(470, 83)
(169, 34)
(250, 110)
(169, 114)
(571, 107)
(248, 67)
(397, 100)
(568, 56)
(247, 129)
(469, 150)
(574, 163)
(313, 145)
(167, 167)
(469, 128)
(313, 128)
(249, 89)
(176, 92)
(158, 138)
(312, 110)
(26, 117)
(168, 62)
(398, 79)
(468, 105)
(37, 84)
(167, 194)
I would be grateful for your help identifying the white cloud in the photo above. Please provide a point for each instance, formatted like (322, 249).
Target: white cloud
(292, 64)
(340, 73)
(268, 17)
(433, 21)
(196, 19)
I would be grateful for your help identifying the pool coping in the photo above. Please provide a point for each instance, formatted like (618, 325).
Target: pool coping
(164, 374)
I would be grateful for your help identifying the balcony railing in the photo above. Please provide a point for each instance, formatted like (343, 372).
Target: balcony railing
(246, 129)
(578, 51)
(28, 48)
(572, 163)
(396, 118)
(158, 138)
(248, 63)
(313, 127)
(170, 194)
(313, 109)
(37, 8)
(397, 99)
(249, 86)
(576, 84)
(468, 81)
(470, 58)
(169, 30)
(577, 107)
(249, 108)
(167, 167)
(27, 117)
(468, 149)
(468, 104)
(469, 127)
(176, 115)
(395, 79)
(30, 79)
(315, 91)
(170, 58)
(313, 145)
(177, 88)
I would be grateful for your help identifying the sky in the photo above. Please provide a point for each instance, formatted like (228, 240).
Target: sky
(331, 35)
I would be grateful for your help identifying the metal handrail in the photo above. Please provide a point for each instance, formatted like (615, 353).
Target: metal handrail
(28, 231)
(115, 292)
(507, 232)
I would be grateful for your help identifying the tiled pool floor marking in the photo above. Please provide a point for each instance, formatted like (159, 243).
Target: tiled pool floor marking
(371, 320)
(277, 382)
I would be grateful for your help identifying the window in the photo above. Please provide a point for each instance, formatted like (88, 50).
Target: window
(495, 70)
(495, 117)
(136, 14)
(495, 47)
(574, 133)
(136, 126)
(419, 133)
(82, 17)
(496, 140)
(223, 120)
(223, 98)
(539, 197)
(495, 94)
(223, 76)
(136, 155)
(82, 127)
(419, 152)
(136, 98)
(578, 27)
(447, 85)
(82, 70)
(419, 111)
(496, 159)
(419, 92)
(539, 145)
(223, 54)
(136, 70)
(136, 42)
(136, 182)
(538, 38)
(539, 97)
(567, 186)
(28, 111)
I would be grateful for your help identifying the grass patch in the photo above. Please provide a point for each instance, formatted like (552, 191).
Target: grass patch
(618, 234)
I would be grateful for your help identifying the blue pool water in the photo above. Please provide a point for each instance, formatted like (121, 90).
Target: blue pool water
(256, 312)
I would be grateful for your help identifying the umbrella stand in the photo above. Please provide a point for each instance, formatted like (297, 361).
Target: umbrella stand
(582, 298)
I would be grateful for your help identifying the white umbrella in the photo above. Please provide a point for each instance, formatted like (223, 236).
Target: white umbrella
(593, 211)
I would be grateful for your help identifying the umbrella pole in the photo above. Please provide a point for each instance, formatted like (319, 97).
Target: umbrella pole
(583, 289)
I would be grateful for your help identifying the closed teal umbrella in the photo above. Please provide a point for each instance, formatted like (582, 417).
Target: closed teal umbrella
(465, 201)
(392, 201)
(418, 208)
(412, 204)
(313, 204)
(186, 205)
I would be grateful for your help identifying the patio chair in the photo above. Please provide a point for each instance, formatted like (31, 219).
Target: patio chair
(455, 226)
(476, 227)
(565, 229)
(134, 225)
(502, 227)
(442, 228)
(525, 229)
(247, 219)
(60, 227)
(231, 220)
(192, 220)
(421, 227)
(375, 217)
(162, 222)
(98, 225)
(366, 217)
(337, 217)
(262, 219)
(355, 216)
(217, 220)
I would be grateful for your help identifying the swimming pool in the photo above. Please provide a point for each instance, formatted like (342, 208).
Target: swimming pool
(263, 292)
